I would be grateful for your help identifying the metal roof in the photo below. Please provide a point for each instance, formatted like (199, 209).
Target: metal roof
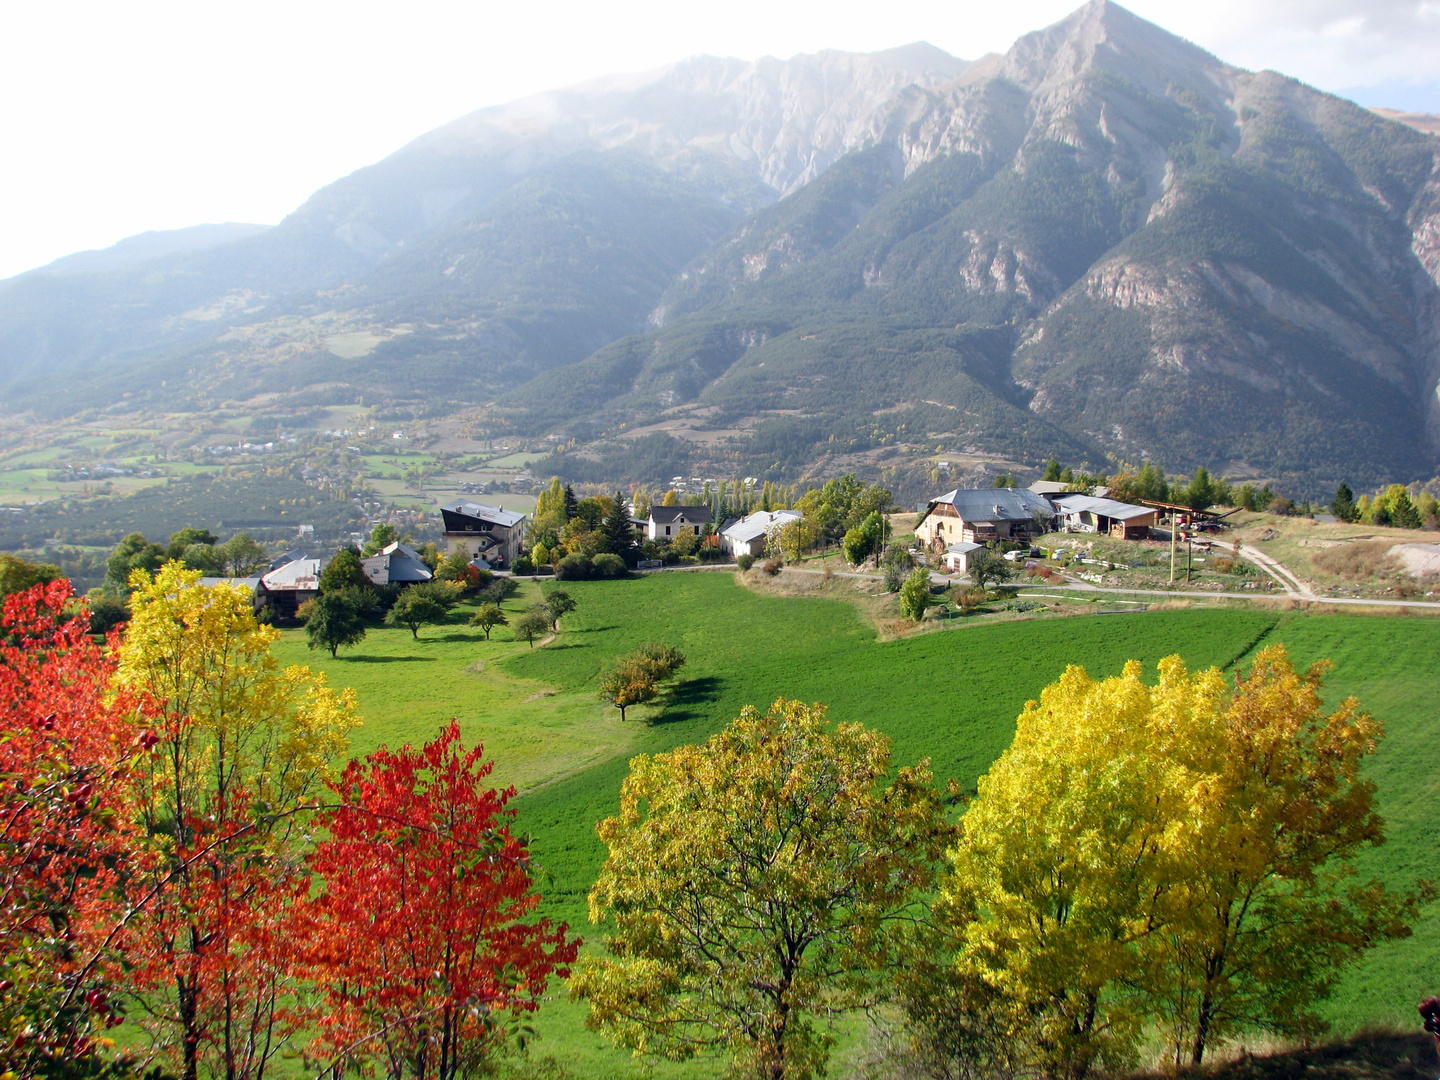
(1105, 507)
(494, 514)
(995, 504)
(963, 547)
(753, 526)
(298, 575)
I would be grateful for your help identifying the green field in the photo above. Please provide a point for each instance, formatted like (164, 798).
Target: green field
(949, 696)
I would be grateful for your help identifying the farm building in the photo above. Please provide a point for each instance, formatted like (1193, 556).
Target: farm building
(670, 521)
(396, 565)
(957, 556)
(491, 533)
(292, 583)
(747, 535)
(978, 515)
(1085, 513)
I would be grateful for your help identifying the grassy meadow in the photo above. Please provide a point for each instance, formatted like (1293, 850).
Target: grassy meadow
(950, 696)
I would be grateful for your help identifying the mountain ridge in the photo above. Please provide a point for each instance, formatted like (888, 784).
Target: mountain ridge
(1105, 243)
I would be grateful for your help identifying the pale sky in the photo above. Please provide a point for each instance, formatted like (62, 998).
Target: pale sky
(123, 117)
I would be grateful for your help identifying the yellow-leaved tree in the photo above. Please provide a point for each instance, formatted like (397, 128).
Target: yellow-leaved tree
(1176, 854)
(754, 882)
(240, 748)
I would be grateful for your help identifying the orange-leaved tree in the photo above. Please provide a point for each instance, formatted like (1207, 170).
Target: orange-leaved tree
(421, 930)
(64, 825)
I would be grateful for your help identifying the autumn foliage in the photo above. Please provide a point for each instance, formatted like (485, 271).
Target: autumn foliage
(418, 929)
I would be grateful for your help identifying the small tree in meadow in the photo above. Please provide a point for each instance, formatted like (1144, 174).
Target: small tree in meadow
(558, 603)
(530, 626)
(414, 609)
(487, 617)
(915, 594)
(336, 620)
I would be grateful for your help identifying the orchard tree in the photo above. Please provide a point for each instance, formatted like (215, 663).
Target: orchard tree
(240, 749)
(414, 608)
(422, 930)
(629, 682)
(557, 604)
(242, 556)
(335, 620)
(989, 567)
(529, 626)
(17, 574)
(488, 616)
(754, 884)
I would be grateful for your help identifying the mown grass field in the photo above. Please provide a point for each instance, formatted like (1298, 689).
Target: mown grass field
(949, 696)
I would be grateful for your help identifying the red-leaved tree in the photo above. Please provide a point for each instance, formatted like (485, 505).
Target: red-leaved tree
(66, 748)
(420, 931)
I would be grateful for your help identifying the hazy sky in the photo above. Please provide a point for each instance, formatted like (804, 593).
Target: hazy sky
(118, 118)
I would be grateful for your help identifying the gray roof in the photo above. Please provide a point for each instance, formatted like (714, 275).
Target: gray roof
(297, 575)
(396, 564)
(508, 518)
(995, 504)
(252, 582)
(663, 515)
(1105, 507)
(1050, 487)
(753, 526)
(963, 547)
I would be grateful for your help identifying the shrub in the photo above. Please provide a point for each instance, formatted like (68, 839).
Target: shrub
(744, 562)
(575, 567)
(772, 566)
(1357, 561)
(523, 566)
(607, 565)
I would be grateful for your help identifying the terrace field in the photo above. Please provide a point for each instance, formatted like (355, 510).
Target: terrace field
(951, 696)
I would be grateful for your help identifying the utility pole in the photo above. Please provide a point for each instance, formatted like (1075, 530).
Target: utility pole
(1174, 534)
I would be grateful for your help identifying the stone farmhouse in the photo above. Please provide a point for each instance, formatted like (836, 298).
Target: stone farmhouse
(979, 515)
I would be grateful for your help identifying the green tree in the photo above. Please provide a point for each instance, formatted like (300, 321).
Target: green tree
(1343, 504)
(455, 567)
(343, 572)
(572, 505)
(1052, 471)
(987, 567)
(414, 608)
(619, 533)
(488, 616)
(558, 603)
(529, 626)
(336, 620)
(17, 574)
(243, 555)
(133, 553)
(755, 883)
(915, 594)
(660, 660)
(381, 537)
(183, 539)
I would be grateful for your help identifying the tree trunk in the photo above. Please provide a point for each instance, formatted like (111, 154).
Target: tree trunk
(1202, 1029)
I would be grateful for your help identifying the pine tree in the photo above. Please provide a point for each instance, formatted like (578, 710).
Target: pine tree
(619, 533)
(1343, 505)
(572, 504)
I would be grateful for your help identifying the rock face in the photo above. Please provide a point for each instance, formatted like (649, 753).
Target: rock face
(1105, 242)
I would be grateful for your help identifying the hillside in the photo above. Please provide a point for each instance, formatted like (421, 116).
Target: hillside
(1105, 245)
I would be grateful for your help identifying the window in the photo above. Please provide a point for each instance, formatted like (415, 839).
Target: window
(667, 530)
(697, 530)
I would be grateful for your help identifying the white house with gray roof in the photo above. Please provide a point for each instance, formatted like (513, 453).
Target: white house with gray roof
(747, 535)
(668, 522)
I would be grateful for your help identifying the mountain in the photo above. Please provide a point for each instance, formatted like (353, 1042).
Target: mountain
(1105, 244)
(148, 246)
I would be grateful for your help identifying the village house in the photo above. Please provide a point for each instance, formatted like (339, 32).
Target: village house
(747, 535)
(668, 522)
(1124, 521)
(396, 565)
(979, 515)
(491, 534)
